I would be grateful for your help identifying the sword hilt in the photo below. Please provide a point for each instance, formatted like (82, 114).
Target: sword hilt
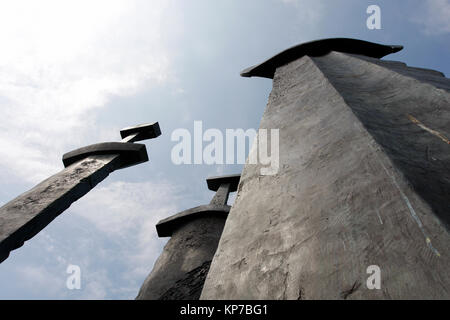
(140, 132)
(130, 153)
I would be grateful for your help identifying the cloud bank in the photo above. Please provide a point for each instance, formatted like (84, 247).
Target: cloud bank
(435, 17)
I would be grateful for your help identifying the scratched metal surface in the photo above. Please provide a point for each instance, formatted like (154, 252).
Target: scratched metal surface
(407, 112)
(23, 217)
(180, 271)
(346, 195)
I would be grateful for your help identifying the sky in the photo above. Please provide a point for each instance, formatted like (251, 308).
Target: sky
(73, 73)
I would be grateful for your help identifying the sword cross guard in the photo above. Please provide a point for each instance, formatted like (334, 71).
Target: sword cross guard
(217, 207)
(23, 217)
(130, 153)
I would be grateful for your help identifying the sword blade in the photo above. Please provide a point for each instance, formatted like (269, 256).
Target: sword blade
(23, 217)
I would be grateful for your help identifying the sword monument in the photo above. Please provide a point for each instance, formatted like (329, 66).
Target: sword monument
(364, 182)
(180, 271)
(23, 217)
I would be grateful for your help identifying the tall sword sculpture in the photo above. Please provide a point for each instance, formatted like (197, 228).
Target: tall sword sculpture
(22, 218)
(360, 206)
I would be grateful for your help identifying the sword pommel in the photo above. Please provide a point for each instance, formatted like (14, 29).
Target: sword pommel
(141, 132)
(215, 182)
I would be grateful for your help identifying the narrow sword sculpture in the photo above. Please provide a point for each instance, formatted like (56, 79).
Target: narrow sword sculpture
(23, 217)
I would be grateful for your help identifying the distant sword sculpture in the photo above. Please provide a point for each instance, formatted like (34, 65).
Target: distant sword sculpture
(181, 269)
(22, 218)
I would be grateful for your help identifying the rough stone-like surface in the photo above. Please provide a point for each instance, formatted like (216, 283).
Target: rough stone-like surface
(190, 287)
(26, 215)
(179, 272)
(363, 180)
(395, 117)
(130, 153)
(166, 227)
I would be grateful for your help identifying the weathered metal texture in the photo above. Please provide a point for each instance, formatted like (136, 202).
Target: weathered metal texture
(143, 131)
(130, 153)
(180, 271)
(22, 218)
(364, 180)
(223, 186)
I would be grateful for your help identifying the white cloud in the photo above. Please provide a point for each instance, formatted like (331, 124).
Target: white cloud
(61, 61)
(434, 15)
(127, 212)
(309, 11)
(34, 279)
(124, 206)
